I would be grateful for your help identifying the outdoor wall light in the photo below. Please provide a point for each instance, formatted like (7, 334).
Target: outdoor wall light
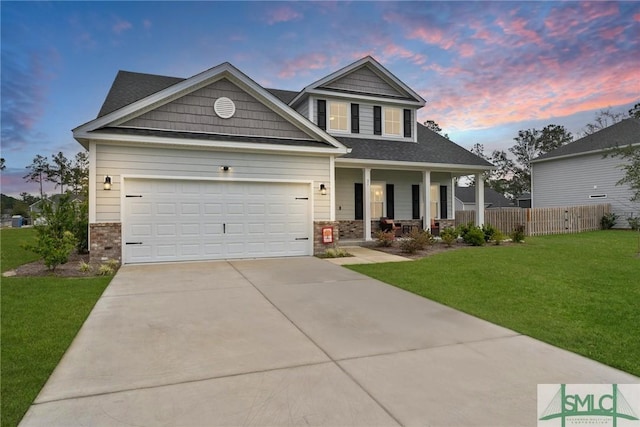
(107, 182)
(323, 190)
(224, 168)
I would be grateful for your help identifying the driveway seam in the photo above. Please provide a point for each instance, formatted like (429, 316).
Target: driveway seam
(151, 387)
(384, 408)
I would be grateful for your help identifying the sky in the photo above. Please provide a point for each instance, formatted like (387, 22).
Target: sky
(486, 69)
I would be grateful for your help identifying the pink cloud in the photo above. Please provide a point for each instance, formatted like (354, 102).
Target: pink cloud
(636, 17)
(302, 64)
(466, 50)
(433, 36)
(393, 50)
(611, 33)
(282, 14)
(121, 26)
(146, 24)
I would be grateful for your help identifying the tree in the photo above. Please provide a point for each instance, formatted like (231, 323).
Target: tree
(28, 198)
(38, 171)
(79, 174)
(603, 119)
(532, 143)
(635, 111)
(60, 171)
(631, 168)
(432, 125)
(499, 179)
(2, 166)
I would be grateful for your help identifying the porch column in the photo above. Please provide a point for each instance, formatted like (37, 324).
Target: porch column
(426, 185)
(452, 215)
(479, 200)
(366, 201)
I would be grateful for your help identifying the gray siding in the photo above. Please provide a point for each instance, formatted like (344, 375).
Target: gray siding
(303, 108)
(366, 81)
(194, 113)
(570, 182)
(118, 160)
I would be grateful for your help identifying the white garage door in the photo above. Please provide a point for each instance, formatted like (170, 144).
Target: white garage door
(167, 220)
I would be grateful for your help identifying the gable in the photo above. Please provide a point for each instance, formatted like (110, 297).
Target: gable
(194, 112)
(365, 80)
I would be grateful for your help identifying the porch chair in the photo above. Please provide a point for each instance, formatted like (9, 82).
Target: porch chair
(388, 224)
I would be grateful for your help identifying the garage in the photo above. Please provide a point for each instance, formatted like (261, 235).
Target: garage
(187, 220)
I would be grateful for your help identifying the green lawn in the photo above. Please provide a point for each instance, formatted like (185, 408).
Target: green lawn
(40, 318)
(580, 292)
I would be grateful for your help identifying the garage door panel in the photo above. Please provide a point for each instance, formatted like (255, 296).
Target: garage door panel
(199, 220)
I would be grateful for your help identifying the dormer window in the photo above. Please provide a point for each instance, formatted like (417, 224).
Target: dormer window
(338, 116)
(392, 121)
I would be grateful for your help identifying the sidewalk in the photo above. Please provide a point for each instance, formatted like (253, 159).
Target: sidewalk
(365, 256)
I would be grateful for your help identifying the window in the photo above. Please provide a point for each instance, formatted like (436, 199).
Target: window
(435, 201)
(392, 121)
(338, 119)
(598, 196)
(355, 118)
(377, 200)
(322, 114)
(377, 120)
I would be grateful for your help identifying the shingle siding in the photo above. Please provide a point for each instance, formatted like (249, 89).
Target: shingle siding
(118, 160)
(366, 81)
(570, 182)
(194, 113)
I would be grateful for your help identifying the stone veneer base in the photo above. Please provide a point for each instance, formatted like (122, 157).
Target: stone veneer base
(106, 242)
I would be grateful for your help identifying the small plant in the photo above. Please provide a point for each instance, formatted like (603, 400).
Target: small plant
(634, 223)
(489, 232)
(114, 264)
(105, 270)
(517, 235)
(85, 267)
(474, 236)
(608, 220)
(336, 252)
(416, 240)
(385, 239)
(498, 237)
(449, 235)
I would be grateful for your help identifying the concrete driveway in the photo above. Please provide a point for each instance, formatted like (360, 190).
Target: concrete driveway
(296, 341)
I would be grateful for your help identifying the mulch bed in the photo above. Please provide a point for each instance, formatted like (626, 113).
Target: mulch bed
(70, 269)
(436, 248)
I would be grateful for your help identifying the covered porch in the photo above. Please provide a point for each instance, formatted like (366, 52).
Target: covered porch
(412, 196)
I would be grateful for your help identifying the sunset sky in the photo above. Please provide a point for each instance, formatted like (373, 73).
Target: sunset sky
(486, 69)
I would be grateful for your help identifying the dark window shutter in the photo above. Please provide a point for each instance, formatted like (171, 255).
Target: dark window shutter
(407, 123)
(415, 202)
(359, 193)
(322, 114)
(390, 208)
(377, 120)
(355, 118)
(443, 202)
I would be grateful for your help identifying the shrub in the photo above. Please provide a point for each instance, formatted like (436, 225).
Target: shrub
(84, 267)
(608, 220)
(634, 223)
(448, 235)
(385, 238)
(463, 229)
(55, 240)
(113, 264)
(474, 236)
(417, 240)
(105, 270)
(489, 232)
(498, 237)
(336, 252)
(517, 235)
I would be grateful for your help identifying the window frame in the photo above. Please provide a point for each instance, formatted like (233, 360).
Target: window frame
(400, 120)
(347, 115)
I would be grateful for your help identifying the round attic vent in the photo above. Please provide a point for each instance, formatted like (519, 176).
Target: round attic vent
(224, 107)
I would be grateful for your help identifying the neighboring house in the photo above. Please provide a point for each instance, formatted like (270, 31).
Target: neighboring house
(579, 174)
(36, 208)
(524, 200)
(216, 166)
(466, 199)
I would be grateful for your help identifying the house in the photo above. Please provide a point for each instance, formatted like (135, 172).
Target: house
(466, 199)
(36, 208)
(215, 166)
(579, 174)
(524, 200)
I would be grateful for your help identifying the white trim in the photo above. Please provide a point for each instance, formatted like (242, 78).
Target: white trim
(208, 144)
(311, 110)
(479, 200)
(462, 170)
(93, 195)
(453, 199)
(332, 187)
(372, 98)
(426, 194)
